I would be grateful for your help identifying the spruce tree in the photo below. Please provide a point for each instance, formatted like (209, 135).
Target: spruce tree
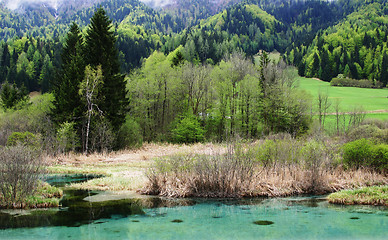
(67, 104)
(384, 70)
(100, 49)
(5, 63)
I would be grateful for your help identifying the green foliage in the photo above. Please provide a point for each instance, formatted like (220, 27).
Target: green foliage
(188, 130)
(355, 47)
(349, 82)
(376, 195)
(112, 98)
(24, 139)
(13, 97)
(129, 135)
(67, 136)
(68, 105)
(365, 153)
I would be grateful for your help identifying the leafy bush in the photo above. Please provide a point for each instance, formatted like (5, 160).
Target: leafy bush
(365, 153)
(349, 82)
(129, 135)
(67, 137)
(101, 135)
(363, 131)
(20, 167)
(188, 130)
(23, 138)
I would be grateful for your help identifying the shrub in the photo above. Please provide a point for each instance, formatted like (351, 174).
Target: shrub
(227, 175)
(20, 167)
(363, 131)
(349, 82)
(101, 136)
(23, 138)
(67, 137)
(188, 130)
(365, 153)
(129, 135)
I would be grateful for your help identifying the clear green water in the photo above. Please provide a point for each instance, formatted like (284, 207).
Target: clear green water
(293, 218)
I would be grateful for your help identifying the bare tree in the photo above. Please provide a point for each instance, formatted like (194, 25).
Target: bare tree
(20, 167)
(323, 105)
(89, 91)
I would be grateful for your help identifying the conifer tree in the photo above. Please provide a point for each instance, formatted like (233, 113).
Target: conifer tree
(100, 49)
(384, 69)
(67, 104)
(5, 62)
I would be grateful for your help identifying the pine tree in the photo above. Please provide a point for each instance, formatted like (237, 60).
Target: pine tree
(67, 104)
(100, 49)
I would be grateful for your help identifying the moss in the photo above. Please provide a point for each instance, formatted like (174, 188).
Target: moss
(377, 195)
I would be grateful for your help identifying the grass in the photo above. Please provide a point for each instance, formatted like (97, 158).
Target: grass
(45, 196)
(369, 99)
(377, 195)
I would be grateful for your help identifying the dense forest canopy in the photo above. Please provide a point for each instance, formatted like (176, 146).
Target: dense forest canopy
(322, 38)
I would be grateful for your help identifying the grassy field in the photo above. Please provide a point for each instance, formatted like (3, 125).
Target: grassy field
(375, 101)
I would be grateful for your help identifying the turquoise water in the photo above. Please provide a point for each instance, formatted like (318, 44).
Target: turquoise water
(287, 218)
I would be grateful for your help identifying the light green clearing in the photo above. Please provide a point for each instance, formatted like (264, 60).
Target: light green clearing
(349, 97)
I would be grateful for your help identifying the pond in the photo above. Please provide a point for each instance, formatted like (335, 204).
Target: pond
(160, 218)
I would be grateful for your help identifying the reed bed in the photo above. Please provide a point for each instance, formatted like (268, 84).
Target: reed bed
(268, 168)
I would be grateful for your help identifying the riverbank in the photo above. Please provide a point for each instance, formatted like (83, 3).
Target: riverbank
(126, 171)
(376, 195)
(45, 196)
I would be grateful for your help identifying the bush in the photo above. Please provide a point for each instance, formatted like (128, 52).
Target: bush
(101, 136)
(129, 135)
(67, 137)
(227, 175)
(20, 168)
(23, 138)
(188, 130)
(349, 82)
(365, 153)
(363, 131)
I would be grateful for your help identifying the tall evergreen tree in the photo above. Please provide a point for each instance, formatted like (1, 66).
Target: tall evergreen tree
(67, 104)
(5, 62)
(326, 73)
(100, 49)
(384, 69)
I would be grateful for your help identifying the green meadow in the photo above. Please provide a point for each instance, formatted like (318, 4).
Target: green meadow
(374, 101)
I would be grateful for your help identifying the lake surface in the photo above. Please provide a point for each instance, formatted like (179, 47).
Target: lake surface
(158, 218)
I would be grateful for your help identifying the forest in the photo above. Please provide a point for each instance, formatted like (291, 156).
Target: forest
(109, 89)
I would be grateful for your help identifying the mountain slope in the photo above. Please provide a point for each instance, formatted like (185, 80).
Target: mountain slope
(354, 47)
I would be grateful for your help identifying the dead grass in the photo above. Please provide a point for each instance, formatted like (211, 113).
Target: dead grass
(124, 170)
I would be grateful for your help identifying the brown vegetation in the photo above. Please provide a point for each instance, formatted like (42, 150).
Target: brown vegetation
(269, 168)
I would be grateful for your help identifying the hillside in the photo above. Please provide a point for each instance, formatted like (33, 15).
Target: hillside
(309, 34)
(355, 47)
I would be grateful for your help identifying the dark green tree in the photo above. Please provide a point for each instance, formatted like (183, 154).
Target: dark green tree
(384, 70)
(67, 104)
(326, 72)
(11, 96)
(5, 62)
(100, 49)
